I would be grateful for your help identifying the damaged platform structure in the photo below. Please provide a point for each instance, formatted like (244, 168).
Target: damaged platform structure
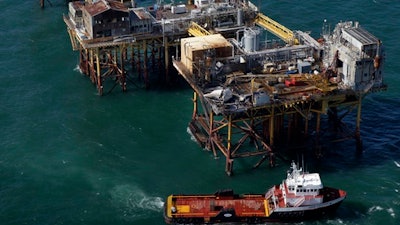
(117, 39)
(246, 89)
(249, 92)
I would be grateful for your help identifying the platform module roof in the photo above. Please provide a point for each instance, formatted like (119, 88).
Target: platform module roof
(104, 5)
(77, 5)
(140, 14)
(362, 35)
(359, 37)
(206, 42)
(195, 47)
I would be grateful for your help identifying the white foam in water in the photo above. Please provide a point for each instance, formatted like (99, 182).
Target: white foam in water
(137, 200)
(396, 163)
(375, 208)
(191, 135)
(339, 221)
(379, 208)
(78, 69)
(134, 203)
(391, 212)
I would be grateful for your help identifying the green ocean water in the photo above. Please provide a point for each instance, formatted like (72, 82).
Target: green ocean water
(68, 156)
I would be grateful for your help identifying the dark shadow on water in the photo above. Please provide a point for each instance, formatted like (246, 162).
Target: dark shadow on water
(351, 211)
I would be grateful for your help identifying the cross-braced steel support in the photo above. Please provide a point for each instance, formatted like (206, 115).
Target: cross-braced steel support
(228, 134)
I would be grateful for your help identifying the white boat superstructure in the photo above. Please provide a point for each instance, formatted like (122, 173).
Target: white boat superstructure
(301, 188)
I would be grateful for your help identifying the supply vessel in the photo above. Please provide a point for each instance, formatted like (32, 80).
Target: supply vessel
(301, 196)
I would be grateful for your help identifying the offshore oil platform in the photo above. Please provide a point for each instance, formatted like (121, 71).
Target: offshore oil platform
(249, 94)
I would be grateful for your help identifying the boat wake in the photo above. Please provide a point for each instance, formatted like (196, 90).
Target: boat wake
(134, 203)
(390, 211)
(336, 221)
(397, 164)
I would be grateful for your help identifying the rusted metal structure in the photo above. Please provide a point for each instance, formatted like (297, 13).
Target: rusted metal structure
(117, 39)
(248, 95)
(101, 32)
(102, 62)
(254, 129)
(246, 99)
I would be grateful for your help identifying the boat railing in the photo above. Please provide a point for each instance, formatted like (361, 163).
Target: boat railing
(299, 201)
(269, 193)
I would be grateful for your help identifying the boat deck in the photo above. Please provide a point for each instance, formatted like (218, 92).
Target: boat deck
(211, 206)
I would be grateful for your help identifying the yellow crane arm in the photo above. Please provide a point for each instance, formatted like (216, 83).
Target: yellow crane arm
(196, 30)
(276, 28)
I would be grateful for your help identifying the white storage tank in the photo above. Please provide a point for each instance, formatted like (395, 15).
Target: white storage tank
(240, 17)
(251, 39)
(178, 9)
(201, 3)
(195, 13)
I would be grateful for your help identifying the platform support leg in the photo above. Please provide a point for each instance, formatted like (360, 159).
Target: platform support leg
(138, 63)
(229, 166)
(210, 144)
(271, 127)
(166, 58)
(306, 125)
(229, 160)
(98, 73)
(123, 53)
(145, 65)
(358, 122)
